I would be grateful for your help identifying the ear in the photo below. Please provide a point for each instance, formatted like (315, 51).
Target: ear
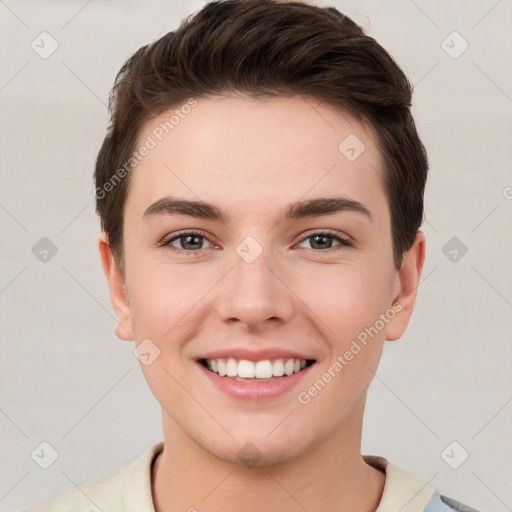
(118, 296)
(408, 280)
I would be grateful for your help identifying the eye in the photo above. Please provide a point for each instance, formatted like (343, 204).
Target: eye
(190, 241)
(193, 241)
(323, 240)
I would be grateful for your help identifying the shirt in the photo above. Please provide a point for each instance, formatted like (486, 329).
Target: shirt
(128, 489)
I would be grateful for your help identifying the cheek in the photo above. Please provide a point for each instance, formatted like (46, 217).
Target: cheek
(168, 302)
(346, 298)
(164, 298)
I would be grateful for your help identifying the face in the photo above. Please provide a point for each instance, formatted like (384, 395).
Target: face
(258, 232)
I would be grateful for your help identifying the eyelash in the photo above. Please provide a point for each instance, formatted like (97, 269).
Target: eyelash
(343, 242)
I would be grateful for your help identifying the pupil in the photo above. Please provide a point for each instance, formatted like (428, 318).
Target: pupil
(188, 238)
(315, 237)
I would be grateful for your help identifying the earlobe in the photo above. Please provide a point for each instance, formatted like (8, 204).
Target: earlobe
(117, 288)
(408, 278)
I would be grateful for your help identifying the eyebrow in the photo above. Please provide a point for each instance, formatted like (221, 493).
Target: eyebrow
(302, 209)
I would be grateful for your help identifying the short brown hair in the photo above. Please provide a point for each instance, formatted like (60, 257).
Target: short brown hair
(275, 49)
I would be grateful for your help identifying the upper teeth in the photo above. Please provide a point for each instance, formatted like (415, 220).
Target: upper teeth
(264, 369)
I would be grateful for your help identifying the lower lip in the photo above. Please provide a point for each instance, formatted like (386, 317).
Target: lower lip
(246, 390)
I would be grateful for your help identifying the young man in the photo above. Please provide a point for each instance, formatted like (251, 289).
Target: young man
(261, 192)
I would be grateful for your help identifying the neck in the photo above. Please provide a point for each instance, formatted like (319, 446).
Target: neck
(330, 476)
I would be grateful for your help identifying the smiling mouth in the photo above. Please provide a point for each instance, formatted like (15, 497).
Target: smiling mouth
(244, 370)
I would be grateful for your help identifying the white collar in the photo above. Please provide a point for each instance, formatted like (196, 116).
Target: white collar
(403, 491)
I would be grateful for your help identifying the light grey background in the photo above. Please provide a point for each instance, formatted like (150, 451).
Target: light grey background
(67, 380)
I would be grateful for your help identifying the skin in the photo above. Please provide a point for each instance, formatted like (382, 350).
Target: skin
(252, 158)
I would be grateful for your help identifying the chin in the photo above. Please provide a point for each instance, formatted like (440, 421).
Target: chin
(260, 447)
(254, 454)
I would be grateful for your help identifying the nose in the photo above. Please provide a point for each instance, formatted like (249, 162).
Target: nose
(255, 292)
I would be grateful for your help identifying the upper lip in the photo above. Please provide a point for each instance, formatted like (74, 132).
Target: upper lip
(253, 355)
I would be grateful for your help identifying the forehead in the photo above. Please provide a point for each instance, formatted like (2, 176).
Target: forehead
(245, 152)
